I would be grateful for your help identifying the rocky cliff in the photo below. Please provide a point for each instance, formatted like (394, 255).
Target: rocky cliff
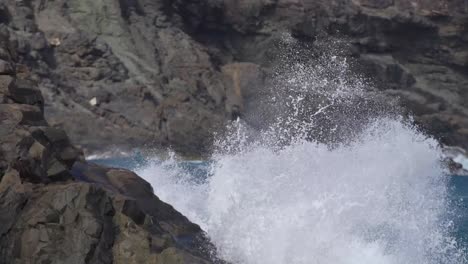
(57, 208)
(134, 73)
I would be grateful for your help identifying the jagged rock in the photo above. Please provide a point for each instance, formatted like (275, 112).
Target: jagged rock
(57, 208)
(5, 67)
(185, 123)
(24, 92)
(136, 57)
(86, 222)
(168, 72)
(131, 210)
(5, 82)
(387, 69)
(174, 255)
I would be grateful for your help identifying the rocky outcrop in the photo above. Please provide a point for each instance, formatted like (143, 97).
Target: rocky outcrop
(136, 72)
(143, 72)
(119, 71)
(413, 50)
(106, 216)
(57, 208)
(29, 146)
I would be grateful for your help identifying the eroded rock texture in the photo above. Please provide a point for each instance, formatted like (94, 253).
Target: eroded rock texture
(108, 216)
(57, 208)
(136, 72)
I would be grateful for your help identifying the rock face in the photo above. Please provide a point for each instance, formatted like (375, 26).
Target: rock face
(119, 71)
(139, 72)
(414, 50)
(57, 208)
(136, 72)
(109, 216)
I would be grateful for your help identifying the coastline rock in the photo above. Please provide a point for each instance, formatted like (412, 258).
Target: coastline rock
(84, 222)
(57, 208)
(242, 81)
(108, 216)
(137, 58)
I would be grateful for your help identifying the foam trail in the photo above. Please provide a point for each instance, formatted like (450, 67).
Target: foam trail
(379, 198)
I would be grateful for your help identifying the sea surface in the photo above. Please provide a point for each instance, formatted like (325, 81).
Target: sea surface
(320, 170)
(258, 210)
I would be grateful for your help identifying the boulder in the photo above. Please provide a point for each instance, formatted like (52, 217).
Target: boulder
(78, 222)
(25, 92)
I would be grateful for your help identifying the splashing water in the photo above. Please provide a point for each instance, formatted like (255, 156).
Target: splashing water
(279, 195)
(381, 200)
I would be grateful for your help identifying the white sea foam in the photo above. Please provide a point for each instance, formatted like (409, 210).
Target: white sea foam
(380, 198)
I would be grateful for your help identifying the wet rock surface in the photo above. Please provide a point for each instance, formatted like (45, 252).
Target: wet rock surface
(145, 73)
(57, 208)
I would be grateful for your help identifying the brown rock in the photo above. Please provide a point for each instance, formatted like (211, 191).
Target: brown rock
(5, 82)
(79, 222)
(25, 92)
(111, 216)
(5, 68)
(242, 80)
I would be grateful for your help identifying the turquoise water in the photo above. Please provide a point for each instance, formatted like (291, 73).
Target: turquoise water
(197, 172)
(459, 196)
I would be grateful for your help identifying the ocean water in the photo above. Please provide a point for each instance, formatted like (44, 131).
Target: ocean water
(385, 199)
(342, 180)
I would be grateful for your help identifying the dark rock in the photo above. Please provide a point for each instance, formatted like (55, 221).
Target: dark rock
(5, 82)
(71, 223)
(141, 73)
(25, 92)
(4, 14)
(130, 209)
(39, 42)
(56, 208)
(5, 67)
(387, 70)
(133, 59)
(451, 156)
(377, 3)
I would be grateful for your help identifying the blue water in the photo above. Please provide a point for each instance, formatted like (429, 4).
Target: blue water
(129, 163)
(459, 196)
(199, 171)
